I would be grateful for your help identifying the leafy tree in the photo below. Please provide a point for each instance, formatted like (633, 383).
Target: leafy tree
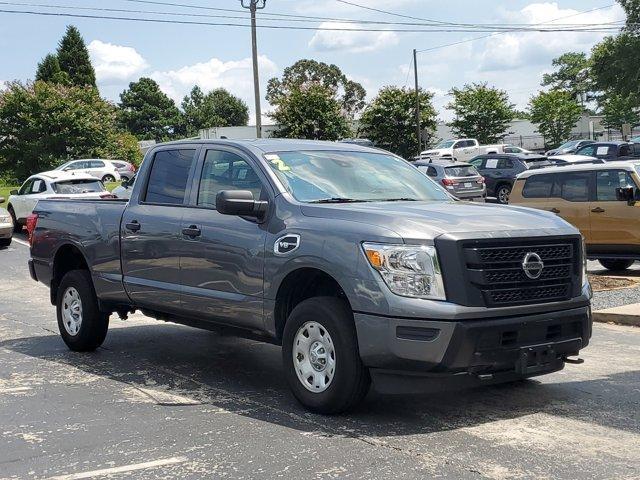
(615, 60)
(521, 115)
(312, 112)
(73, 58)
(148, 113)
(573, 75)
(481, 112)
(389, 120)
(49, 71)
(43, 124)
(555, 113)
(218, 108)
(618, 110)
(305, 73)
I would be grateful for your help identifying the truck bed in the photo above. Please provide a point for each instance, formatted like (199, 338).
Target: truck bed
(92, 225)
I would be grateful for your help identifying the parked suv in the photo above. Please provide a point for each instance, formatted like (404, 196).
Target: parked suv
(569, 147)
(461, 179)
(101, 169)
(601, 200)
(500, 171)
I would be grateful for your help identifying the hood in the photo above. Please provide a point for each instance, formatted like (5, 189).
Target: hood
(572, 158)
(437, 151)
(427, 220)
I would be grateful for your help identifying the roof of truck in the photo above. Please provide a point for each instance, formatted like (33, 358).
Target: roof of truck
(268, 145)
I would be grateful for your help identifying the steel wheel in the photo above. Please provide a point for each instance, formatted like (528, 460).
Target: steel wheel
(314, 357)
(71, 311)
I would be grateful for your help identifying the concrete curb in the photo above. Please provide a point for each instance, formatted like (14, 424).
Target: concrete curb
(624, 315)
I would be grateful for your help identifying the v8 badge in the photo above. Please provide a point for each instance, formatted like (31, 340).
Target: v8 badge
(286, 244)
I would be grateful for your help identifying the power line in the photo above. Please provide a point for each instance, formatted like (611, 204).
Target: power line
(290, 27)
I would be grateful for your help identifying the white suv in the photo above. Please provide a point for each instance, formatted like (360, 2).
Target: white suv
(53, 184)
(96, 167)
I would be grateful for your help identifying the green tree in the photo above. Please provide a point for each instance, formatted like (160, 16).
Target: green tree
(481, 112)
(615, 62)
(73, 58)
(148, 113)
(306, 73)
(218, 108)
(49, 71)
(43, 124)
(618, 110)
(389, 120)
(310, 112)
(555, 113)
(573, 75)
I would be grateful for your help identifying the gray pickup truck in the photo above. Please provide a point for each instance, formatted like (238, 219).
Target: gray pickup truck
(358, 264)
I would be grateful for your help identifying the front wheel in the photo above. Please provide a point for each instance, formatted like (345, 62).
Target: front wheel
(82, 325)
(502, 194)
(5, 242)
(321, 358)
(616, 265)
(108, 179)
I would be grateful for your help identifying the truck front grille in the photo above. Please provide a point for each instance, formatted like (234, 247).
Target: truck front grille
(493, 275)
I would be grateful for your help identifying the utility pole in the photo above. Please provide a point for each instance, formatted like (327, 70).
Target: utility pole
(254, 5)
(418, 129)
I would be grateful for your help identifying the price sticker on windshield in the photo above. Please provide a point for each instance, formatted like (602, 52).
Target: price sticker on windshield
(277, 162)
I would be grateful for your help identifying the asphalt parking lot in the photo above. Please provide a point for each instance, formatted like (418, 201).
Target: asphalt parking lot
(165, 401)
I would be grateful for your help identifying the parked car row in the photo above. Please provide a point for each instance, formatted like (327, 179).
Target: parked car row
(105, 170)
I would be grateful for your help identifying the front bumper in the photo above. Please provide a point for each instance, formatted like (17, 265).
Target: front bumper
(407, 355)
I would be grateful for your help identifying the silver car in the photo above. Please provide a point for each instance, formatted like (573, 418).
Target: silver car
(6, 227)
(125, 169)
(460, 179)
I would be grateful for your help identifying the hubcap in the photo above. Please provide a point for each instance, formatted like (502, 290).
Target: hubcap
(71, 311)
(504, 195)
(314, 357)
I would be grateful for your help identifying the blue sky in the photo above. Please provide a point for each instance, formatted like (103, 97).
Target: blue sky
(179, 56)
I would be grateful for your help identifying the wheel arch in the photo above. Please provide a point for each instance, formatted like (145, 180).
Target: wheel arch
(68, 257)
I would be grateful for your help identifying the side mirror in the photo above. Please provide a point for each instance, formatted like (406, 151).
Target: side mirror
(13, 192)
(625, 194)
(240, 202)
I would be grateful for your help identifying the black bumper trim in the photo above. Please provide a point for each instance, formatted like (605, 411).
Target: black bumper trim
(32, 270)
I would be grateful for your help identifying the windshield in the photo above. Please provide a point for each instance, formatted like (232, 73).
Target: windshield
(637, 165)
(461, 171)
(61, 167)
(445, 144)
(342, 176)
(70, 187)
(569, 144)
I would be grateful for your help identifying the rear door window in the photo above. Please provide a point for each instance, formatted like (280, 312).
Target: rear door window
(96, 164)
(492, 163)
(169, 175)
(574, 187)
(608, 180)
(538, 186)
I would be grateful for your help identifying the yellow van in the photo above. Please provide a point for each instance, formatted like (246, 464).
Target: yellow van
(601, 199)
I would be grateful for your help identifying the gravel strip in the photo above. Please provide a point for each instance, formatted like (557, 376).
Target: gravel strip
(615, 298)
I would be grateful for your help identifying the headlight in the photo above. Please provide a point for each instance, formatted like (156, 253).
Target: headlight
(585, 279)
(5, 219)
(408, 270)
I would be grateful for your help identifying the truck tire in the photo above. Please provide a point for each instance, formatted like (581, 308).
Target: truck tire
(616, 265)
(5, 242)
(502, 193)
(321, 358)
(82, 325)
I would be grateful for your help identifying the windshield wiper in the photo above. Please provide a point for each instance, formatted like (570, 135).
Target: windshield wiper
(402, 199)
(338, 200)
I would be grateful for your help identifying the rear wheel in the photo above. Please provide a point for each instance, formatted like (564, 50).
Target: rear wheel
(17, 228)
(321, 358)
(82, 325)
(5, 242)
(616, 264)
(502, 194)
(108, 179)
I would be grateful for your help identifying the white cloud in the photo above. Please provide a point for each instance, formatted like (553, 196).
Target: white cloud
(236, 76)
(350, 41)
(515, 50)
(115, 63)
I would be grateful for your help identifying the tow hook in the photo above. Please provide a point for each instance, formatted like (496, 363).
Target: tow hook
(575, 361)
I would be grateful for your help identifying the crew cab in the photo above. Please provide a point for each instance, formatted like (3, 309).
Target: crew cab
(356, 263)
(461, 150)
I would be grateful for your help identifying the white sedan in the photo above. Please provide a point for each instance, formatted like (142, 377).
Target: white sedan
(53, 184)
(104, 170)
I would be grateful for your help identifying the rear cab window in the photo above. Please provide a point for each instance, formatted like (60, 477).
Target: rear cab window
(169, 176)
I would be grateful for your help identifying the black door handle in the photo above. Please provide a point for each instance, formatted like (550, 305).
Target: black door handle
(134, 226)
(192, 231)
(597, 210)
(554, 210)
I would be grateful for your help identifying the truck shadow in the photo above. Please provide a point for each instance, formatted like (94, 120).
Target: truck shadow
(245, 377)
